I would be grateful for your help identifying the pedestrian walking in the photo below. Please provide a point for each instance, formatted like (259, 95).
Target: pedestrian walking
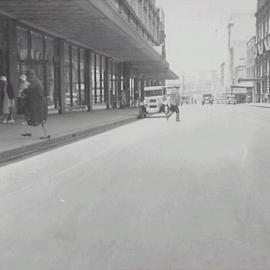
(7, 97)
(35, 105)
(23, 84)
(164, 105)
(142, 109)
(136, 98)
(123, 99)
(174, 104)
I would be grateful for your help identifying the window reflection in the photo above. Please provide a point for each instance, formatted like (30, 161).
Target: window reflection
(37, 55)
(22, 50)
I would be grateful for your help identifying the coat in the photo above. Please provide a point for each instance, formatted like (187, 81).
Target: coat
(35, 105)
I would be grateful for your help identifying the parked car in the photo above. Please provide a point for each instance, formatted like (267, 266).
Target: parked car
(231, 99)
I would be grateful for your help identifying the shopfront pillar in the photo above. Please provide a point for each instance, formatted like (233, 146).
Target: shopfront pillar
(119, 82)
(106, 83)
(136, 85)
(12, 53)
(88, 80)
(62, 82)
(142, 88)
(127, 75)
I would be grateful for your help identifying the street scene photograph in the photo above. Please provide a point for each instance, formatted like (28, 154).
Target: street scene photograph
(134, 134)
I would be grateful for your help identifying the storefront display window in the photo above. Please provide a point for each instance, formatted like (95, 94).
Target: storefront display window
(37, 55)
(68, 96)
(93, 77)
(82, 77)
(40, 51)
(23, 50)
(102, 67)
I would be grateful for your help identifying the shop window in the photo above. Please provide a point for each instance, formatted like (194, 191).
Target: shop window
(131, 90)
(22, 50)
(98, 81)
(37, 55)
(75, 76)
(68, 96)
(93, 77)
(82, 78)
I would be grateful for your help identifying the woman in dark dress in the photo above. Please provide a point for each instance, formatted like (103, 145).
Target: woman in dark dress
(35, 105)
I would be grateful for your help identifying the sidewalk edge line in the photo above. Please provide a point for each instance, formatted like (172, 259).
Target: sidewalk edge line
(24, 151)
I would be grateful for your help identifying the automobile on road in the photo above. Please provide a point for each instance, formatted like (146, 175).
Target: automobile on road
(207, 99)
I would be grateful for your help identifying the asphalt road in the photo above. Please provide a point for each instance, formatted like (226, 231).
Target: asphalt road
(154, 194)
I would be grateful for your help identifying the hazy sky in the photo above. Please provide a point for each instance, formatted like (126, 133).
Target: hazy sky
(197, 31)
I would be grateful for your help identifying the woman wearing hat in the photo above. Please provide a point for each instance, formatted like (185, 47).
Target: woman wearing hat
(7, 95)
(35, 105)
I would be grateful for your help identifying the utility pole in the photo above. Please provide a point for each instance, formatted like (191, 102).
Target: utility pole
(183, 82)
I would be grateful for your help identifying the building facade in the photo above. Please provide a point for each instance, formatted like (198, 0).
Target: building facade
(251, 68)
(240, 29)
(88, 54)
(263, 50)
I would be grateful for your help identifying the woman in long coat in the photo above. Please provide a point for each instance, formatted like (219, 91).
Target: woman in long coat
(35, 105)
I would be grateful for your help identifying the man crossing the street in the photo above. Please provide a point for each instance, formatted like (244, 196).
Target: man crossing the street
(174, 104)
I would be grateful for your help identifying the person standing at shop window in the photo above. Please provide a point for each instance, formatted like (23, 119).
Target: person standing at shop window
(7, 96)
(136, 98)
(35, 105)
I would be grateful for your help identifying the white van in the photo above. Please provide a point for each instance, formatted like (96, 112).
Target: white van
(154, 97)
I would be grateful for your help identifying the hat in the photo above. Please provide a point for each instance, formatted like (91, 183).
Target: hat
(23, 77)
(3, 78)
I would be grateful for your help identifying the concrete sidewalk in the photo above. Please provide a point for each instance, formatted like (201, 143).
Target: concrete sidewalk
(62, 128)
(262, 105)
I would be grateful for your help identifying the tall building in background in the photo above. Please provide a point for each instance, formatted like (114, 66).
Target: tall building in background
(240, 29)
(222, 76)
(251, 71)
(263, 50)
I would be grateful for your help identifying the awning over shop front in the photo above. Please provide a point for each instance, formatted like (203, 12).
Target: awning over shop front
(95, 25)
(242, 87)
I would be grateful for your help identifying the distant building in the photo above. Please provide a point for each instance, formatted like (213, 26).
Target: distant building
(263, 50)
(251, 64)
(222, 76)
(240, 28)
